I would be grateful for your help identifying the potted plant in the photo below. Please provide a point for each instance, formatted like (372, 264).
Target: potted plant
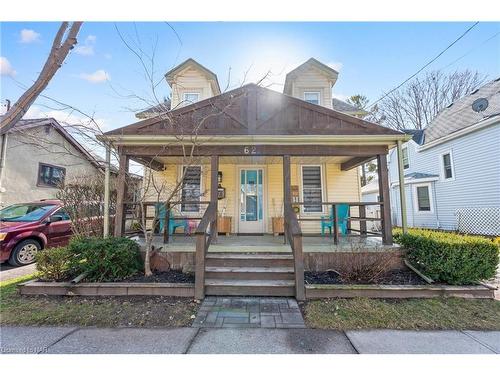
(277, 219)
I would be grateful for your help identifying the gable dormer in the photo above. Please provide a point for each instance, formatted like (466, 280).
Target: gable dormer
(312, 81)
(191, 82)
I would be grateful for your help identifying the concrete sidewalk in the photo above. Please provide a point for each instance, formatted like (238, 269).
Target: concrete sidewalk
(242, 341)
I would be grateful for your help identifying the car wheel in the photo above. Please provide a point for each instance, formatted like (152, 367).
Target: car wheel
(24, 253)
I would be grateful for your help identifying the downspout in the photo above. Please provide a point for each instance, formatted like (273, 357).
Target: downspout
(402, 187)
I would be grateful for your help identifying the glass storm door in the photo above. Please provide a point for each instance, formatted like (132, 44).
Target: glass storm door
(251, 201)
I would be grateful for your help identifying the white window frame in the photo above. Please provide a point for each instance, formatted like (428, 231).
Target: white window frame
(313, 92)
(301, 192)
(415, 198)
(441, 163)
(188, 102)
(405, 147)
(181, 167)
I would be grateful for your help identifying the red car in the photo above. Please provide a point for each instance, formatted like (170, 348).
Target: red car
(26, 228)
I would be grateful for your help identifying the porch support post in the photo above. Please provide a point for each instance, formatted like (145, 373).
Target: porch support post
(287, 195)
(383, 185)
(121, 193)
(402, 188)
(106, 191)
(214, 186)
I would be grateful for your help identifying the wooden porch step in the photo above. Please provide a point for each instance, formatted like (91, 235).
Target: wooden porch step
(250, 273)
(231, 287)
(248, 260)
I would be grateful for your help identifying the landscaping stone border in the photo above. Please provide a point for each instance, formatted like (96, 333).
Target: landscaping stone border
(106, 289)
(398, 291)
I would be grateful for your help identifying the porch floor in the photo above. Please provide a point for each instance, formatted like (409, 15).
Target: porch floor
(268, 243)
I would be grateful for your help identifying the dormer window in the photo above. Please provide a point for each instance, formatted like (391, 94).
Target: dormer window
(312, 97)
(191, 97)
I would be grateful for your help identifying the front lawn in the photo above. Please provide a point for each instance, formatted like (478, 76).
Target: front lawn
(93, 311)
(436, 313)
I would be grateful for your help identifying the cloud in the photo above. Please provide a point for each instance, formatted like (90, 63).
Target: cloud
(108, 56)
(97, 77)
(5, 67)
(29, 36)
(66, 118)
(87, 49)
(336, 65)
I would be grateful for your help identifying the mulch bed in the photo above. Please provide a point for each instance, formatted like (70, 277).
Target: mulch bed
(163, 277)
(396, 277)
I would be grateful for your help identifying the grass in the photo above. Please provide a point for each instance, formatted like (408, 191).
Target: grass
(420, 314)
(127, 311)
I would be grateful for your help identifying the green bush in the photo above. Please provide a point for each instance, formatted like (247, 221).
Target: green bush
(105, 259)
(54, 264)
(449, 257)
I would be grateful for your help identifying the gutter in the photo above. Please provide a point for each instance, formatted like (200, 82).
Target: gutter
(317, 139)
(3, 158)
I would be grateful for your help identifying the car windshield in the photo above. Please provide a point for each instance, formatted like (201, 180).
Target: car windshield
(25, 212)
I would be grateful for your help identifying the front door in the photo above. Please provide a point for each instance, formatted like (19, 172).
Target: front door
(251, 202)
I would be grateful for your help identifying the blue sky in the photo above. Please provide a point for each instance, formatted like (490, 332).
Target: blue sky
(99, 76)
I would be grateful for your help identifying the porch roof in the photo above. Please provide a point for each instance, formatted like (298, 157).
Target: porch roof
(253, 111)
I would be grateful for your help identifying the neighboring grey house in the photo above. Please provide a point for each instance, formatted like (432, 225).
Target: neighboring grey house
(452, 167)
(35, 156)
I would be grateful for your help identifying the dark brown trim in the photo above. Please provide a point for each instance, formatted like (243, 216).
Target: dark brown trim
(365, 151)
(39, 183)
(355, 162)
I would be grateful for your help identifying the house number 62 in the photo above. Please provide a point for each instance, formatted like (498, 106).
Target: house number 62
(250, 150)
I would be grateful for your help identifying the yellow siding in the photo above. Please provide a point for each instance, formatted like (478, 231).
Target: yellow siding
(190, 80)
(338, 186)
(312, 79)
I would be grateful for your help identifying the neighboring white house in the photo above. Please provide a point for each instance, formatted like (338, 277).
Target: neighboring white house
(36, 156)
(452, 168)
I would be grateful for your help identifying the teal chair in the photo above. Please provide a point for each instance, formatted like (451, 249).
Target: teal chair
(173, 224)
(343, 217)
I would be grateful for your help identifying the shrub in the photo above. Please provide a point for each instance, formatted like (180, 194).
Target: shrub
(449, 257)
(105, 259)
(54, 264)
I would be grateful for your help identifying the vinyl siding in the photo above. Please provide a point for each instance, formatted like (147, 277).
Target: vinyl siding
(476, 183)
(190, 80)
(337, 186)
(312, 79)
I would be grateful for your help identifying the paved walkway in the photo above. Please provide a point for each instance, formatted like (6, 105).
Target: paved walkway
(243, 340)
(249, 312)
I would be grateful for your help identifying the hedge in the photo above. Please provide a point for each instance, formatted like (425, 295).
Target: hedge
(105, 259)
(449, 257)
(54, 264)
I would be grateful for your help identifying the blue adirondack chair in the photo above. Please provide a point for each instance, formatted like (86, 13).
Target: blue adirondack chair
(343, 217)
(173, 224)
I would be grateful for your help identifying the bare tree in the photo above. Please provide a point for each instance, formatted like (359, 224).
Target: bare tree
(64, 41)
(416, 104)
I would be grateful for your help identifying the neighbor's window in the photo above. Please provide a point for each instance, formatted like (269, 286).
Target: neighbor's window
(191, 188)
(50, 175)
(312, 97)
(423, 198)
(312, 188)
(191, 97)
(406, 160)
(447, 166)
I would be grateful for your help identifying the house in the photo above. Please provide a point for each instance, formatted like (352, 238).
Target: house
(38, 155)
(245, 159)
(452, 167)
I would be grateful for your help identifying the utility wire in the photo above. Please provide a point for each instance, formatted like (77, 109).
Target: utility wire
(426, 65)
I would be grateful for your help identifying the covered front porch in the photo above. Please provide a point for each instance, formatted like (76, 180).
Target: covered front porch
(319, 208)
